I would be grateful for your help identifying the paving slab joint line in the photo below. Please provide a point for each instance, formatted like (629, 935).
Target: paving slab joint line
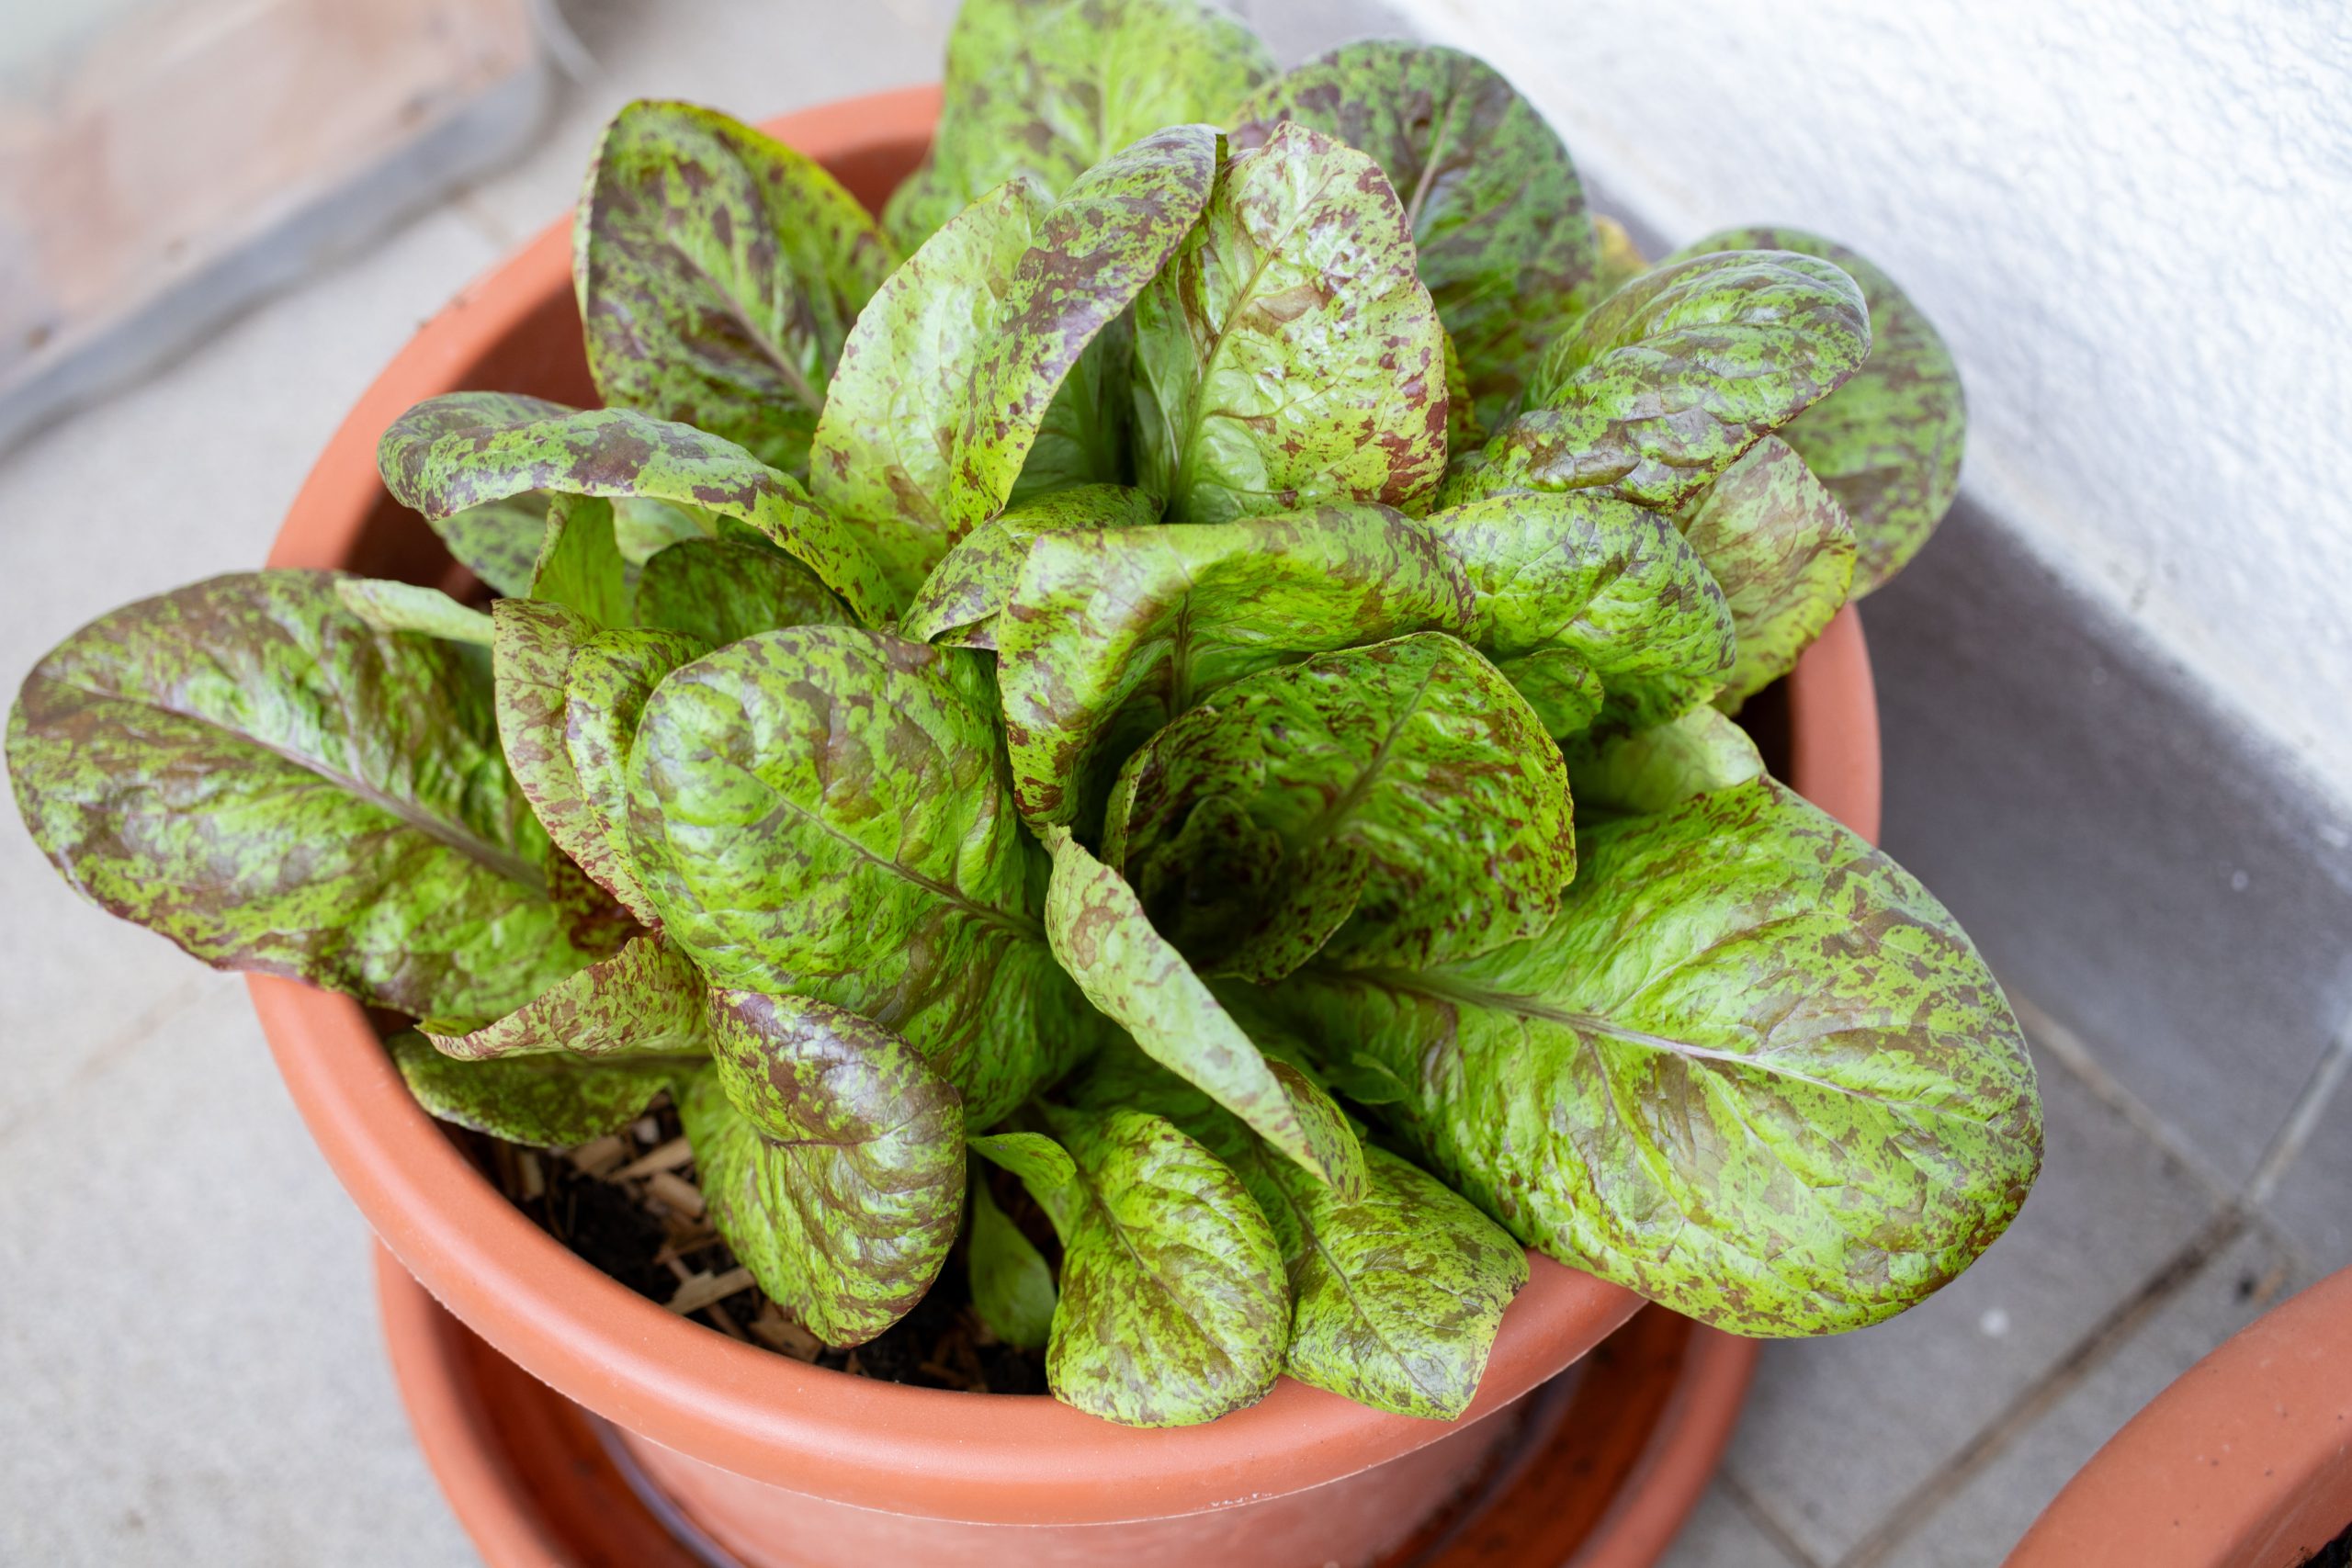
(1747, 1502)
(2089, 1353)
(2334, 1064)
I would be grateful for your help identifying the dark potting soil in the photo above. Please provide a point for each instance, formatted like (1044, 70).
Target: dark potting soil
(628, 1204)
(2336, 1553)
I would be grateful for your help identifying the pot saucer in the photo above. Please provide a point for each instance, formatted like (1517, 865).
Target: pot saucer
(1610, 1456)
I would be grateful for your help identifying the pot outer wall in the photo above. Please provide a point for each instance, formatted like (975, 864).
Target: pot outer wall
(2246, 1462)
(792, 1466)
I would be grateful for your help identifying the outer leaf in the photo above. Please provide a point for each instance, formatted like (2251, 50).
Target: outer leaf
(1754, 1071)
(839, 1178)
(1674, 375)
(1289, 354)
(1103, 938)
(1497, 211)
(1888, 443)
(960, 598)
(498, 541)
(1013, 1288)
(250, 770)
(1110, 634)
(717, 272)
(1609, 582)
(1779, 545)
(391, 606)
(947, 378)
(1659, 768)
(1395, 803)
(535, 644)
(604, 687)
(1042, 90)
(1173, 1306)
(821, 810)
(580, 565)
(721, 592)
(450, 453)
(646, 999)
(549, 1102)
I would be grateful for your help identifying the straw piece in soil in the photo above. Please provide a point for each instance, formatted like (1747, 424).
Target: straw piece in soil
(675, 1155)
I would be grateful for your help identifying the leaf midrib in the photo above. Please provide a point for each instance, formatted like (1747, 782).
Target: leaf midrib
(983, 914)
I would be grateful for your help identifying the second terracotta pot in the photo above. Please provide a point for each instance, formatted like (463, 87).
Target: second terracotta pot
(787, 1464)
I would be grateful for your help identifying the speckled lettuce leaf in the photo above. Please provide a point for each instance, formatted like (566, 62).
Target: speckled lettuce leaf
(1887, 443)
(579, 564)
(1035, 1158)
(534, 644)
(643, 528)
(717, 272)
(1174, 1305)
(1136, 977)
(1754, 1071)
(1398, 803)
(1088, 435)
(949, 374)
(821, 810)
(250, 770)
(1658, 769)
(1620, 261)
(1042, 90)
(392, 606)
(1013, 1288)
(647, 999)
(720, 591)
(958, 602)
(497, 541)
(832, 1156)
(1109, 634)
(1609, 582)
(1674, 375)
(1496, 209)
(1558, 685)
(1397, 1295)
(1289, 354)
(546, 1102)
(1779, 545)
(605, 684)
(450, 453)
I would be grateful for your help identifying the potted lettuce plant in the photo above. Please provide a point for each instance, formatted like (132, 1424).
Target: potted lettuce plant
(1194, 659)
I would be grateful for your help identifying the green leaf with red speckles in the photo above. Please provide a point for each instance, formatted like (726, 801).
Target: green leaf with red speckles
(498, 541)
(1111, 633)
(831, 1158)
(718, 272)
(647, 999)
(1577, 581)
(948, 377)
(254, 773)
(1753, 1071)
(1397, 803)
(1658, 769)
(1496, 209)
(534, 645)
(1777, 544)
(451, 453)
(580, 565)
(605, 684)
(1671, 378)
(1174, 1307)
(404, 608)
(544, 1101)
(1398, 1294)
(1289, 356)
(1012, 1286)
(1887, 444)
(959, 602)
(1041, 91)
(821, 810)
(1105, 940)
(720, 591)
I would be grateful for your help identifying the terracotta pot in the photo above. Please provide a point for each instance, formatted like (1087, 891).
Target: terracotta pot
(754, 1445)
(2246, 1462)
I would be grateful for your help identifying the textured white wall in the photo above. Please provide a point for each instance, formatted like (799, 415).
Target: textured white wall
(2133, 218)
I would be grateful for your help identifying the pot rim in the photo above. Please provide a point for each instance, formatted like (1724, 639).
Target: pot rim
(983, 1458)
